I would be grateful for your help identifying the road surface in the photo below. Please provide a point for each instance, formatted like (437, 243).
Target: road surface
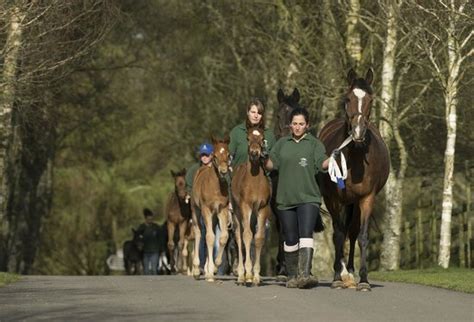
(181, 298)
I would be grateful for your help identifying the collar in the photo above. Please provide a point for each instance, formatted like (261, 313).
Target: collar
(304, 137)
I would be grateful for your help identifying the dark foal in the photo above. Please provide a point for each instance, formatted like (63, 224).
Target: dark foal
(286, 104)
(368, 166)
(133, 254)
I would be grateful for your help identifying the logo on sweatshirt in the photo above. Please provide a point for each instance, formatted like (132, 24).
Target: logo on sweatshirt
(303, 162)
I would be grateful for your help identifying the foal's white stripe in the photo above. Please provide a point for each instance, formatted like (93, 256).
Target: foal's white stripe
(306, 243)
(292, 248)
(360, 95)
(222, 150)
(256, 133)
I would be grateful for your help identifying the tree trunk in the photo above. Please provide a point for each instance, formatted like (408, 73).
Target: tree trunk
(7, 99)
(353, 46)
(451, 122)
(390, 256)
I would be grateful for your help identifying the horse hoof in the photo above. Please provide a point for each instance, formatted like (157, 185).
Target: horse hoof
(210, 279)
(337, 285)
(364, 287)
(281, 278)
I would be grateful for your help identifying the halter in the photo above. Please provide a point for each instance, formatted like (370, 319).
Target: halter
(335, 173)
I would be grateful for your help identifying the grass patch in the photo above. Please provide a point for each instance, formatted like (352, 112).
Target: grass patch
(6, 278)
(457, 279)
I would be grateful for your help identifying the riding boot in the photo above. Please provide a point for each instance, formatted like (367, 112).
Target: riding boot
(291, 259)
(305, 279)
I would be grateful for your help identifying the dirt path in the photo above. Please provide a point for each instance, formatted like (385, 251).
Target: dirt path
(180, 298)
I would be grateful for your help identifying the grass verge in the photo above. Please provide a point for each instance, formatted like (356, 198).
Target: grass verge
(6, 278)
(457, 279)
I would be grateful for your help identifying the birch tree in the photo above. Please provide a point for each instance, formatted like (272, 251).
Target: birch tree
(444, 35)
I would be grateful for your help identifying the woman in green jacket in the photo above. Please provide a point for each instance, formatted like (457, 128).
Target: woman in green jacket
(238, 146)
(298, 157)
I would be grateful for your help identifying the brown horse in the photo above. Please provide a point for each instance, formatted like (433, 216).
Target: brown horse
(210, 199)
(178, 215)
(367, 171)
(251, 193)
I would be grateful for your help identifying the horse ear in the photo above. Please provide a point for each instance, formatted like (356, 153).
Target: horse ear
(172, 173)
(369, 77)
(213, 139)
(296, 95)
(227, 139)
(280, 95)
(351, 76)
(183, 171)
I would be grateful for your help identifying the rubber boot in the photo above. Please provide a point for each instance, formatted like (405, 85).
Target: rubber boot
(292, 269)
(305, 279)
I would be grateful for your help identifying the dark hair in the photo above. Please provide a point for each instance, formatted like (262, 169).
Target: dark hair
(300, 111)
(261, 110)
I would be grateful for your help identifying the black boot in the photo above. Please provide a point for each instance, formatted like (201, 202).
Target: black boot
(292, 269)
(305, 279)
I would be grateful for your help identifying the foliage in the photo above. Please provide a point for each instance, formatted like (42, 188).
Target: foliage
(458, 279)
(7, 278)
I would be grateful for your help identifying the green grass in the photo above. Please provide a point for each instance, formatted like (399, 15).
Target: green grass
(6, 278)
(457, 279)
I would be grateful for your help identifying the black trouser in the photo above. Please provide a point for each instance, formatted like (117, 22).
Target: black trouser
(299, 222)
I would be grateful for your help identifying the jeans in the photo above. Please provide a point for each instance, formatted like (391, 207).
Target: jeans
(150, 263)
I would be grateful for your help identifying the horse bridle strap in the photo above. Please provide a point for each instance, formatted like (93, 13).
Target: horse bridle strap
(339, 175)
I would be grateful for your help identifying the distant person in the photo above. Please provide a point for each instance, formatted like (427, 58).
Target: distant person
(151, 243)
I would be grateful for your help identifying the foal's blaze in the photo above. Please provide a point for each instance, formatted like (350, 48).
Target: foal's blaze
(368, 166)
(221, 155)
(255, 141)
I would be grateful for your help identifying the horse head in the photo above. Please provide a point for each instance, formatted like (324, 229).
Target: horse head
(180, 183)
(137, 240)
(221, 157)
(286, 104)
(255, 140)
(358, 102)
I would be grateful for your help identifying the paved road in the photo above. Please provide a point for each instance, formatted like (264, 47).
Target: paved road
(180, 298)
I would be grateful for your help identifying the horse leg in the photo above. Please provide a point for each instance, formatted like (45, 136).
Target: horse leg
(223, 217)
(171, 228)
(210, 238)
(182, 232)
(185, 256)
(263, 214)
(353, 224)
(238, 239)
(247, 237)
(197, 238)
(366, 207)
(338, 239)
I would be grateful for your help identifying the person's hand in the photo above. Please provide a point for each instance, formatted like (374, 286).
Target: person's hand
(264, 154)
(335, 153)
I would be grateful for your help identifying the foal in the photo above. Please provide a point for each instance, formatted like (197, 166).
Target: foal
(210, 199)
(251, 193)
(178, 215)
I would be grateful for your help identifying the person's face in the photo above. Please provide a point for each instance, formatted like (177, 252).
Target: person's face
(149, 219)
(253, 115)
(206, 159)
(298, 126)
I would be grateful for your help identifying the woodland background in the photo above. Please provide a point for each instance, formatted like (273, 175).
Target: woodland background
(99, 100)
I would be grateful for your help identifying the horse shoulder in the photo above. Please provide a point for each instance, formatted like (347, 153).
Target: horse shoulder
(331, 127)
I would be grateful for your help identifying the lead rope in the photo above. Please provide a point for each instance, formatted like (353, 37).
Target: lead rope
(339, 175)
